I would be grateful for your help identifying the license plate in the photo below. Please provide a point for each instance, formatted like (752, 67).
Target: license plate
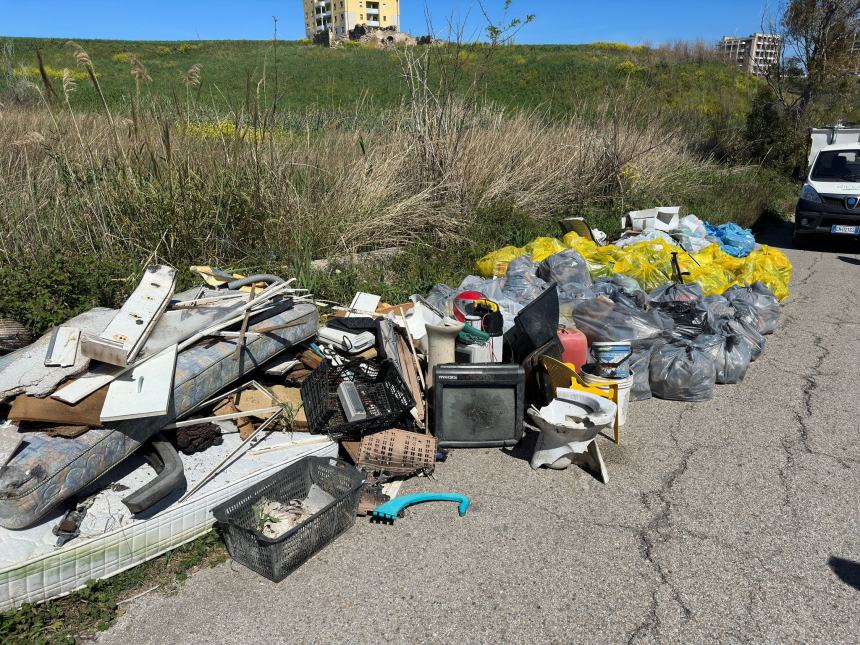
(846, 230)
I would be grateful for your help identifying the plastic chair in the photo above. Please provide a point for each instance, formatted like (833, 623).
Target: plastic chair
(564, 375)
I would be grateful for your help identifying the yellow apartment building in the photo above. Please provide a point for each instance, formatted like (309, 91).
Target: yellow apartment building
(342, 15)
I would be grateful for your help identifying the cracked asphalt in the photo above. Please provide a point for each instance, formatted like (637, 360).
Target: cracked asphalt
(730, 521)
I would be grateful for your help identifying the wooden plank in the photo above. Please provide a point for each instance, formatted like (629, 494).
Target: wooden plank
(63, 348)
(83, 386)
(123, 338)
(144, 391)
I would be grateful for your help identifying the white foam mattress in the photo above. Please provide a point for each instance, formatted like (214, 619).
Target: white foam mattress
(33, 569)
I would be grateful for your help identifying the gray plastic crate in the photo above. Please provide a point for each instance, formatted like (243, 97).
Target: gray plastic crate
(276, 558)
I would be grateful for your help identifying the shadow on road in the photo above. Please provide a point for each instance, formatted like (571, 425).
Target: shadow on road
(779, 234)
(847, 571)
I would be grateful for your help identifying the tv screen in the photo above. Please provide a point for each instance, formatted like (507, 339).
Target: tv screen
(479, 414)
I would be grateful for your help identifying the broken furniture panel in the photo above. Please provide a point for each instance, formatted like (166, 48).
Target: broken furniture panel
(143, 391)
(122, 340)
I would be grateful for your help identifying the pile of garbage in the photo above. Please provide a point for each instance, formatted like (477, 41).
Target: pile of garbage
(228, 382)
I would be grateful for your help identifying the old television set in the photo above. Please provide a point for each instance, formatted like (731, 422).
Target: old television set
(480, 405)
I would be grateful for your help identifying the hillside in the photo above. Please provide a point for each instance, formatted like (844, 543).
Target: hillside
(558, 78)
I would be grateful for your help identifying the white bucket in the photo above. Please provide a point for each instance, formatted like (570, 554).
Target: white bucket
(624, 386)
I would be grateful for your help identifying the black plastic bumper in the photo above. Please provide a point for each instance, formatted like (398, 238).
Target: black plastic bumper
(812, 218)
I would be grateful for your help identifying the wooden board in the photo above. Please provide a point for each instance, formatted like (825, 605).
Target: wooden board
(77, 390)
(123, 338)
(143, 391)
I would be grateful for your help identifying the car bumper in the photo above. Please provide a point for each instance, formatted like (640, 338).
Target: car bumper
(811, 218)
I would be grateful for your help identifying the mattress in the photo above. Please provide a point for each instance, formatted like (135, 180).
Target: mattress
(33, 569)
(48, 470)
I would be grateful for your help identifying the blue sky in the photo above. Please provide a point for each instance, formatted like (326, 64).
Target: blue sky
(559, 21)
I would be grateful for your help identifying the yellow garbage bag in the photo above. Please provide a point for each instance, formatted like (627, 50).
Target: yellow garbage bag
(579, 244)
(649, 268)
(542, 247)
(495, 263)
(599, 259)
(770, 266)
(713, 278)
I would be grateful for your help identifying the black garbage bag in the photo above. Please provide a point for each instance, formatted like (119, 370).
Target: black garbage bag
(603, 320)
(731, 354)
(746, 330)
(640, 363)
(566, 267)
(618, 291)
(756, 303)
(671, 292)
(690, 317)
(718, 309)
(680, 372)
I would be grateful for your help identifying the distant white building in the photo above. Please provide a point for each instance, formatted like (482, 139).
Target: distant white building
(754, 54)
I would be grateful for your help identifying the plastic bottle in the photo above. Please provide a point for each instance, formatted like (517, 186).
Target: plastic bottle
(574, 347)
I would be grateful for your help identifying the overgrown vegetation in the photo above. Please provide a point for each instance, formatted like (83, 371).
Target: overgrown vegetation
(147, 172)
(815, 83)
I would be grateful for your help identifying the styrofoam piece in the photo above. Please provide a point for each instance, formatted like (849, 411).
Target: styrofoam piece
(10, 439)
(661, 218)
(33, 569)
(143, 391)
(63, 349)
(363, 303)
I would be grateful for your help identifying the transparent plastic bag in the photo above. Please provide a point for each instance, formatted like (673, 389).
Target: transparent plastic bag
(640, 363)
(603, 320)
(495, 264)
(769, 266)
(681, 372)
(650, 263)
(521, 282)
(732, 355)
(671, 292)
(719, 308)
(746, 330)
(757, 302)
(734, 240)
(691, 317)
(543, 247)
(564, 268)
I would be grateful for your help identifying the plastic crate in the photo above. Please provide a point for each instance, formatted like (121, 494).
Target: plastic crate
(385, 396)
(276, 558)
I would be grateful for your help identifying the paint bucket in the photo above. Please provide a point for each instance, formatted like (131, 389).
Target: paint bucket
(612, 360)
(624, 387)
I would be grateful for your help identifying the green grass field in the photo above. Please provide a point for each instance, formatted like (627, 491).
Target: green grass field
(557, 78)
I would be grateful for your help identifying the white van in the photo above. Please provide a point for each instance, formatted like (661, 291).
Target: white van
(830, 198)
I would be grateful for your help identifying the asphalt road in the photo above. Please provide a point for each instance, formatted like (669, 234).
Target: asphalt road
(729, 521)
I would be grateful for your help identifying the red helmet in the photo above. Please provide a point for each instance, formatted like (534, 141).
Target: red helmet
(464, 304)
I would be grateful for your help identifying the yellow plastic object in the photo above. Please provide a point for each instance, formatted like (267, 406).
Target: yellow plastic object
(600, 259)
(770, 266)
(542, 247)
(218, 278)
(564, 375)
(650, 263)
(495, 264)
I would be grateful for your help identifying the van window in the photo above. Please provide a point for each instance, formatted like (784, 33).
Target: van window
(837, 165)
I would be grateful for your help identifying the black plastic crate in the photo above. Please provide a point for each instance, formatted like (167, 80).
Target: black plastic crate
(276, 558)
(385, 396)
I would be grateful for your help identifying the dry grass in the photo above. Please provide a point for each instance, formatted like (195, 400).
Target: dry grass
(110, 185)
(152, 186)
